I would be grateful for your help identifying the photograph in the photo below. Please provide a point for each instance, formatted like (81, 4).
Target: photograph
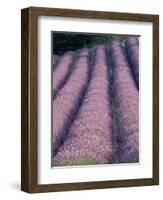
(95, 99)
(90, 99)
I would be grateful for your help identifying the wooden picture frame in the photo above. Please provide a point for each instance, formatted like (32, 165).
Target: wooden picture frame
(29, 112)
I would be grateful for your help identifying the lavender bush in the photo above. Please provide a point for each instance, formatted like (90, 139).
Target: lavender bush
(132, 48)
(126, 106)
(68, 98)
(89, 140)
(61, 72)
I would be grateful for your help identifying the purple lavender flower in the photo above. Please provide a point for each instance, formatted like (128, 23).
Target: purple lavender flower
(126, 106)
(68, 99)
(61, 72)
(132, 41)
(89, 140)
(132, 48)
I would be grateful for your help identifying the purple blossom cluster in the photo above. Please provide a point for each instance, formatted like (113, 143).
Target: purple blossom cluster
(61, 71)
(126, 106)
(68, 98)
(89, 139)
(132, 48)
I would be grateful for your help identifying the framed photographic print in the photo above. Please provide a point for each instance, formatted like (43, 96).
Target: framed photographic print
(90, 99)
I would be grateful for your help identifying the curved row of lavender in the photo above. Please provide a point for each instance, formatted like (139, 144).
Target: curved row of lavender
(87, 128)
(126, 106)
(61, 71)
(132, 48)
(67, 101)
(89, 140)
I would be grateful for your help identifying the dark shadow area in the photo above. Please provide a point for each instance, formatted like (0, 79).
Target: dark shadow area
(64, 41)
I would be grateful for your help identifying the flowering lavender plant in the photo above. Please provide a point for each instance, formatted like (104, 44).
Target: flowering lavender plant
(132, 48)
(126, 106)
(67, 102)
(61, 72)
(89, 140)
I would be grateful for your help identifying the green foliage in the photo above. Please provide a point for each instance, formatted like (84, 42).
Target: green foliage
(80, 161)
(63, 42)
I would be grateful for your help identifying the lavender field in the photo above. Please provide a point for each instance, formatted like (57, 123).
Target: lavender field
(95, 102)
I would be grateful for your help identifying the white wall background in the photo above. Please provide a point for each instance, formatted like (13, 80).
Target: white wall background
(10, 98)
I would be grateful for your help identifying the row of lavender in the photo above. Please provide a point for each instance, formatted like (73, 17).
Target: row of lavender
(96, 105)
